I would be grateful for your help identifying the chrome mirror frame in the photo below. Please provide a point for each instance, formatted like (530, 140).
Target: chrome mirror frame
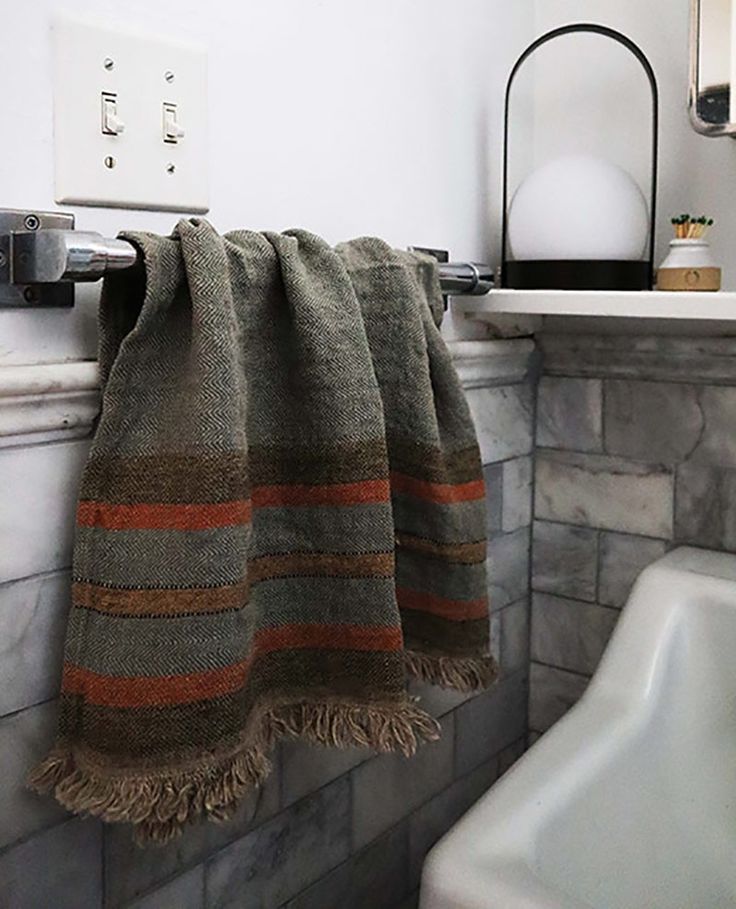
(714, 130)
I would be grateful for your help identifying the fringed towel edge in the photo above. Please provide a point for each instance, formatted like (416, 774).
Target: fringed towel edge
(161, 804)
(459, 673)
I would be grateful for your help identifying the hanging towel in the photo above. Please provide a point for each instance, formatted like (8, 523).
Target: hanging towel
(281, 517)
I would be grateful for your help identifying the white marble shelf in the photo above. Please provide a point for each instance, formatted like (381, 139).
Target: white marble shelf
(647, 304)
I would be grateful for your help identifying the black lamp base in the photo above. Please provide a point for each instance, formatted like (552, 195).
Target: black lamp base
(577, 274)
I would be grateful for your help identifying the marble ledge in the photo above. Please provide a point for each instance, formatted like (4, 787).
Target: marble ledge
(47, 402)
(484, 363)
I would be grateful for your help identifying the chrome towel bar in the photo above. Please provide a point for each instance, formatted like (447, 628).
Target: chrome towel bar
(41, 256)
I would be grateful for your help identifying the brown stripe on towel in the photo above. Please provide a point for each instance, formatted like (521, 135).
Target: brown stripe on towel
(169, 477)
(159, 601)
(466, 638)
(427, 462)
(367, 492)
(462, 553)
(307, 564)
(224, 476)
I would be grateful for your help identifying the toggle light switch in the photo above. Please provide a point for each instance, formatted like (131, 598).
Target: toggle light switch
(172, 128)
(112, 125)
(102, 76)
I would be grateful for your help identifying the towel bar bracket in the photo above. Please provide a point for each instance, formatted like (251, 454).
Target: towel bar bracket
(16, 290)
(42, 256)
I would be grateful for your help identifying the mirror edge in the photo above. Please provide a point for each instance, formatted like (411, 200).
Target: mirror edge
(714, 130)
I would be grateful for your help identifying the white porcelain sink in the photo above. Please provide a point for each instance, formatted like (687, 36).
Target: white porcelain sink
(629, 802)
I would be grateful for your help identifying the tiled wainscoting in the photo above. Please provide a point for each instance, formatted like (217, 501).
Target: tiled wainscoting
(330, 828)
(636, 452)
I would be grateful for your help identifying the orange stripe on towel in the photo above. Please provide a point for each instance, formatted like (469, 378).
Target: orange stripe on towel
(159, 691)
(439, 493)
(160, 516)
(367, 492)
(454, 610)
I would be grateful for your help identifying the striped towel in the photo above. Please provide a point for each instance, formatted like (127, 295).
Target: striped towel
(281, 517)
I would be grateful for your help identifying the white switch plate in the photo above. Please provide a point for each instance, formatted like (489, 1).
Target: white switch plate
(147, 172)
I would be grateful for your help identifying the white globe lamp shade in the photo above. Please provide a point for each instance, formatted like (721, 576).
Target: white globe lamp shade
(578, 207)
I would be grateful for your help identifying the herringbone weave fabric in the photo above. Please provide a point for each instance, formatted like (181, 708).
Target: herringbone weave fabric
(281, 517)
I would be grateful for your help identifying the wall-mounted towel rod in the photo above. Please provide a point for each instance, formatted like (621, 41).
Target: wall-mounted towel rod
(41, 256)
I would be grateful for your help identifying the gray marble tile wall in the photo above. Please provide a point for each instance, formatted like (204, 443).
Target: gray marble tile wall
(635, 453)
(330, 828)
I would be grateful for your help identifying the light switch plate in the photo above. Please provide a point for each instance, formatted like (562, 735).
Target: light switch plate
(136, 168)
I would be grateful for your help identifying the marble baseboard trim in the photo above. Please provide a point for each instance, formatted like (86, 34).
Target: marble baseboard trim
(483, 363)
(47, 402)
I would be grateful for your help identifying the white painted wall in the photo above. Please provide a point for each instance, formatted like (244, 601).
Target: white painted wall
(373, 116)
(697, 174)
(346, 118)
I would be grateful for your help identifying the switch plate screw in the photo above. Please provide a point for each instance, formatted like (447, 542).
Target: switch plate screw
(169, 76)
(108, 63)
(170, 168)
(31, 222)
(110, 162)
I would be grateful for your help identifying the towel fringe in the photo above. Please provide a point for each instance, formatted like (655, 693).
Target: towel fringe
(459, 673)
(161, 804)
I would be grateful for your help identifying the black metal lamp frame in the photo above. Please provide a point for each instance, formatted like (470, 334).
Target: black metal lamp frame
(580, 274)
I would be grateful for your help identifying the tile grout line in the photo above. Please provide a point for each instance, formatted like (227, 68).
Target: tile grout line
(575, 672)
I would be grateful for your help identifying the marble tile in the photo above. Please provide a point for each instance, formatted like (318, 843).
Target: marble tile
(514, 643)
(656, 422)
(570, 634)
(184, 892)
(433, 819)
(507, 564)
(375, 878)
(564, 560)
(32, 626)
(37, 504)
(622, 559)
(132, 871)
(509, 756)
(59, 869)
(24, 740)
(605, 492)
(388, 788)
(494, 647)
(717, 443)
(435, 700)
(493, 476)
(570, 414)
(705, 506)
(503, 419)
(282, 857)
(517, 494)
(659, 358)
(552, 692)
(490, 722)
(306, 768)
